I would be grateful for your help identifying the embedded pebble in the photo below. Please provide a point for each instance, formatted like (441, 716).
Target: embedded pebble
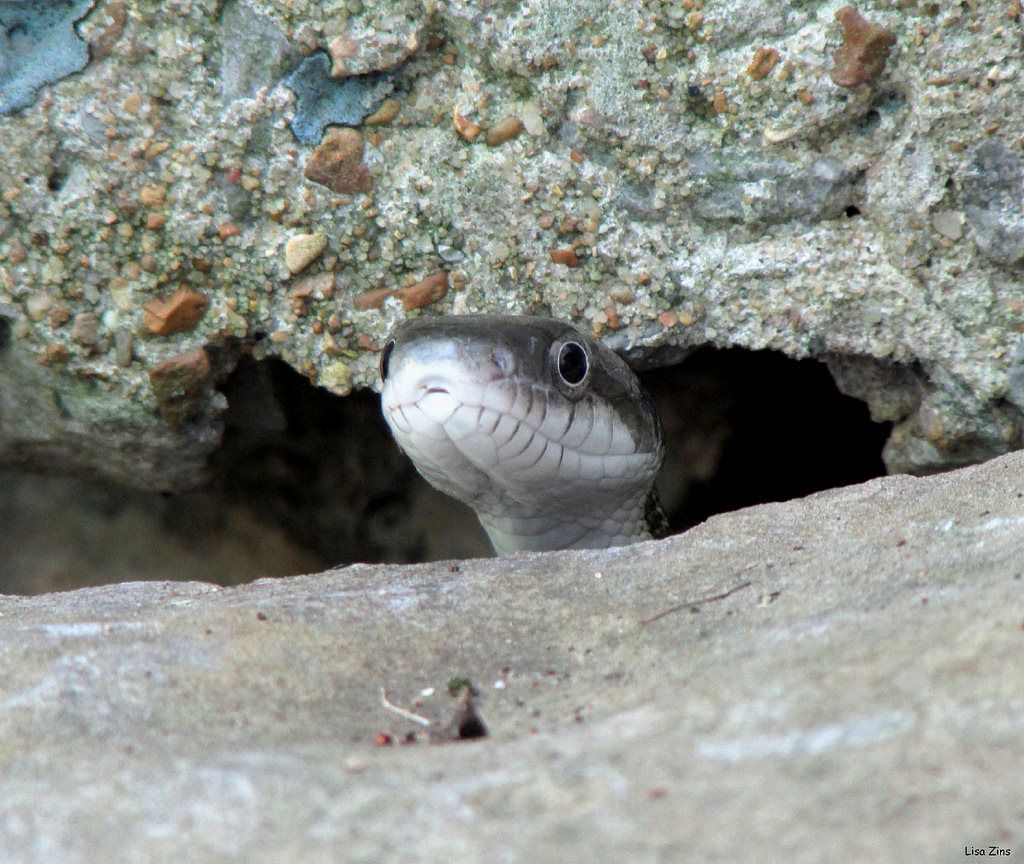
(372, 299)
(302, 250)
(424, 292)
(533, 123)
(153, 196)
(566, 256)
(178, 384)
(178, 314)
(123, 344)
(85, 330)
(336, 377)
(504, 130)
(342, 48)
(864, 51)
(949, 223)
(38, 305)
(337, 163)
(763, 63)
(387, 112)
(466, 128)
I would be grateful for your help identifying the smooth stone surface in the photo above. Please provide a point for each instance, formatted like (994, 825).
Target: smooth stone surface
(857, 696)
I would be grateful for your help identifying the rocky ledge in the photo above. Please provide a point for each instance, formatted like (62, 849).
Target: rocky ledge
(804, 679)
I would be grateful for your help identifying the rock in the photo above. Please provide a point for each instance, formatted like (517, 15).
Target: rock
(302, 250)
(177, 314)
(865, 49)
(640, 703)
(85, 330)
(178, 384)
(781, 213)
(337, 163)
(994, 198)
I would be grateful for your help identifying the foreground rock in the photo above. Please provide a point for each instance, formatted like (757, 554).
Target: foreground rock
(796, 680)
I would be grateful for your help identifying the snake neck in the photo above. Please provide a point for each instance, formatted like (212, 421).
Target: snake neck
(617, 524)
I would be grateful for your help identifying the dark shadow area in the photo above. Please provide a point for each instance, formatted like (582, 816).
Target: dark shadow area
(748, 427)
(325, 470)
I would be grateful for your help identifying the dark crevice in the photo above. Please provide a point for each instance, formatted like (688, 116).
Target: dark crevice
(749, 427)
(320, 466)
(742, 428)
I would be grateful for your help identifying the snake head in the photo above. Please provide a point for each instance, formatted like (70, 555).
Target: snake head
(539, 427)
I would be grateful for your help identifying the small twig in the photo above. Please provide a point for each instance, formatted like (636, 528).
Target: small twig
(401, 712)
(693, 604)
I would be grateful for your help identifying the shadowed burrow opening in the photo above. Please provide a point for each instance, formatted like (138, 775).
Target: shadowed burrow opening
(742, 428)
(305, 479)
(748, 427)
(325, 470)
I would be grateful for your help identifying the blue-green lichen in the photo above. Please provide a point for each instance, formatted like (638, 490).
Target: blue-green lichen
(323, 100)
(38, 46)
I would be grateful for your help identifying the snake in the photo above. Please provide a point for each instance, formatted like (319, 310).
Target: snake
(544, 431)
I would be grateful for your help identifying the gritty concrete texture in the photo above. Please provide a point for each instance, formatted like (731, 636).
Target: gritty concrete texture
(835, 678)
(708, 192)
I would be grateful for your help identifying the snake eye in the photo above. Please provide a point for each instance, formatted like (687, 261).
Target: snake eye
(572, 363)
(385, 357)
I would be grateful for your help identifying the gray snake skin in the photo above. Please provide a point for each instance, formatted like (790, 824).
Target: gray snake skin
(542, 430)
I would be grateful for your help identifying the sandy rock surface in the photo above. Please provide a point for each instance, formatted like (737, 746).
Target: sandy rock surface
(824, 183)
